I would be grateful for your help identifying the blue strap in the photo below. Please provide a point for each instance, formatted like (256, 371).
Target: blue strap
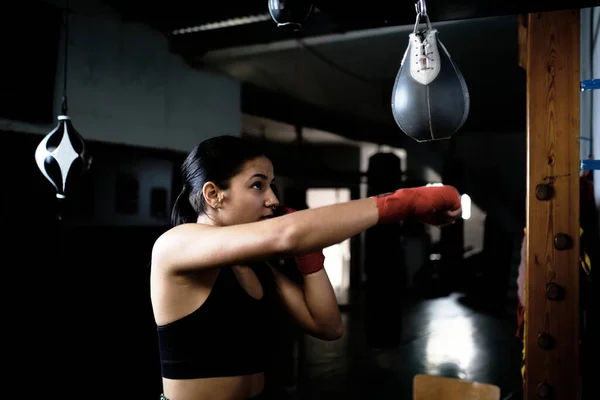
(590, 164)
(591, 84)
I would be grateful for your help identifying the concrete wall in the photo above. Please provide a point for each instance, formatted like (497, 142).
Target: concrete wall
(124, 86)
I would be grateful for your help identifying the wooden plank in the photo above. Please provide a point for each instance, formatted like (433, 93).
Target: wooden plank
(553, 158)
(430, 387)
(522, 40)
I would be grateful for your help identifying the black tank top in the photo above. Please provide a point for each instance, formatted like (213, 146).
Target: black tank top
(228, 335)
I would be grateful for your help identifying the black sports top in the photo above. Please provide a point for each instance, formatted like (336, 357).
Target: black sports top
(226, 336)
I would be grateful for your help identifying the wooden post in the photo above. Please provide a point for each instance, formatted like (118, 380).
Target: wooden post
(522, 40)
(552, 295)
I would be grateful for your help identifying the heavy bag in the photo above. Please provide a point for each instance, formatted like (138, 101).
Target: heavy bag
(430, 99)
(384, 263)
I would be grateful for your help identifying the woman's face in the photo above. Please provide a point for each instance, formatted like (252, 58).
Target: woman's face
(250, 196)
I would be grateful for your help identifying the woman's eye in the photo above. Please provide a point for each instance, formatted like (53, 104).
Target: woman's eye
(257, 185)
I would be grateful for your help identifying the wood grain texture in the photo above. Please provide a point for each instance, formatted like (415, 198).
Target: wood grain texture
(522, 40)
(553, 157)
(429, 387)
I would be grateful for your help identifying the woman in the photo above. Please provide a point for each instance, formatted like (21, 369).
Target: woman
(211, 281)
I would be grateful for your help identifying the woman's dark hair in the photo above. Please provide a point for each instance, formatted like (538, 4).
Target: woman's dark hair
(216, 160)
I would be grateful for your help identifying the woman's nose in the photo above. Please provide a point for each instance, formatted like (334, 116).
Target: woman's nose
(272, 201)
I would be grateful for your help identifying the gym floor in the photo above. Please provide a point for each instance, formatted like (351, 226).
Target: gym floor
(440, 336)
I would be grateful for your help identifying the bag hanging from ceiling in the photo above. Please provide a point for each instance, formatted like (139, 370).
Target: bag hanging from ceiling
(430, 99)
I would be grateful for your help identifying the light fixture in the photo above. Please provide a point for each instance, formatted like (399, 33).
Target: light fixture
(465, 203)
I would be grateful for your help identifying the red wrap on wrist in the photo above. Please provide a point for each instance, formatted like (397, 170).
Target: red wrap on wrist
(311, 262)
(427, 203)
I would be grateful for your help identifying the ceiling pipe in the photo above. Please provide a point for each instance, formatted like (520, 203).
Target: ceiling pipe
(291, 44)
(230, 23)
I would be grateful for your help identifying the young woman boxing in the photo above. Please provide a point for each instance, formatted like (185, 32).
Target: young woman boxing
(212, 287)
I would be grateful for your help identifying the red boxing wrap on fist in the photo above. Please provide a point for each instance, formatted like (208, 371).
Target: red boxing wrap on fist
(429, 204)
(307, 263)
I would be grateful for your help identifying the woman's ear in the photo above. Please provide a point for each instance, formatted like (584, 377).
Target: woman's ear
(212, 194)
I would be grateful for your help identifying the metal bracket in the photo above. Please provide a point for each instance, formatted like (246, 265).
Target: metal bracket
(590, 165)
(591, 84)
(421, 8)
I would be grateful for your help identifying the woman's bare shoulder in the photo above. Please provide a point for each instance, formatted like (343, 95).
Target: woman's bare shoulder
(174, 238)
(191, 230)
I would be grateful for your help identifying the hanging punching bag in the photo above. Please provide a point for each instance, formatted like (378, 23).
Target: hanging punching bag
(430, 99)
(290, 14)
(61, 156)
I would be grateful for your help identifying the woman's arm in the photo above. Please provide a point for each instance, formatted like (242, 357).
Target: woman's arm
(315, 307)
(197, 246)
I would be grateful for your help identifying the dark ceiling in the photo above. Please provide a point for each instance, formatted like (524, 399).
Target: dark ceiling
(337, 72)
(337, 15)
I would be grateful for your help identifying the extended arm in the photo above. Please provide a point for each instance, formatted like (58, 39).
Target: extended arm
(197, 246)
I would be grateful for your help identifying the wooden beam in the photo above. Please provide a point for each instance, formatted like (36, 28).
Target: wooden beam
(522, 40)
(553, 160)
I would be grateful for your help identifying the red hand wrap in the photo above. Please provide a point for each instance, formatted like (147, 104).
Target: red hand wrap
(310, 263)
(307, 263)
(427, 203)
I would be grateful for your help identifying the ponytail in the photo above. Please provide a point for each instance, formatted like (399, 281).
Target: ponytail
(183, 211)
